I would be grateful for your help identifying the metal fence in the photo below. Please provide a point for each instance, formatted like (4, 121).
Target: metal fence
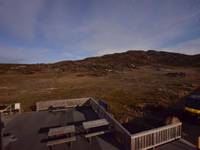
(155, 137)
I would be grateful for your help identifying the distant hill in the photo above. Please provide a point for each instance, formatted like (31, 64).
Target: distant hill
(111, 62)
(130, 60)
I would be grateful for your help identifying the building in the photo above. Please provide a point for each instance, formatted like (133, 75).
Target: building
(82, 124)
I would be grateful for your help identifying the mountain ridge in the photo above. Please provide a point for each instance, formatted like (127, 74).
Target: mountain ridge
(109, 62)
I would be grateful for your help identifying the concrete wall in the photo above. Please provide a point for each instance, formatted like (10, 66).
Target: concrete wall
(44, 105)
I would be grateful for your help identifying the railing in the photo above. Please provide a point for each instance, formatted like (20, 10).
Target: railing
(44, 105)
(121, 134)
(155, 137)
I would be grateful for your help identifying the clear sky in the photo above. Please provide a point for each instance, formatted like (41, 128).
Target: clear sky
(42, 31)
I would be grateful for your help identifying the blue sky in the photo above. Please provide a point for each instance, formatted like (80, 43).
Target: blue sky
(42, 31)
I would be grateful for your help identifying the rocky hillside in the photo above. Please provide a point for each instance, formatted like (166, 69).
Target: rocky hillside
(107, 63)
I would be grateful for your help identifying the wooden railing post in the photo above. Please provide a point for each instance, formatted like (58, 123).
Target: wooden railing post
(1, 128)
(198, 143)
(158, 136)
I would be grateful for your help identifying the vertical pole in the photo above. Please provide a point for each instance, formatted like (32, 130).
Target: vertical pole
(198, 143)
(1, 127)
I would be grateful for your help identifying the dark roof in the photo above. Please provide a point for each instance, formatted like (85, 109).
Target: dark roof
(177, 145)
(30, 130)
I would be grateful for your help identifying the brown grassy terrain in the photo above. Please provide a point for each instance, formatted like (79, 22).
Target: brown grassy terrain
(142, 88)
(125, 90)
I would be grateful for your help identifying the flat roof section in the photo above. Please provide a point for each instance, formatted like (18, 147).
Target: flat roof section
(31, 129)
(177, 145)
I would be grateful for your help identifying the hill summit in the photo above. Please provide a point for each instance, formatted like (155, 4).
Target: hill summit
(111, 62)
